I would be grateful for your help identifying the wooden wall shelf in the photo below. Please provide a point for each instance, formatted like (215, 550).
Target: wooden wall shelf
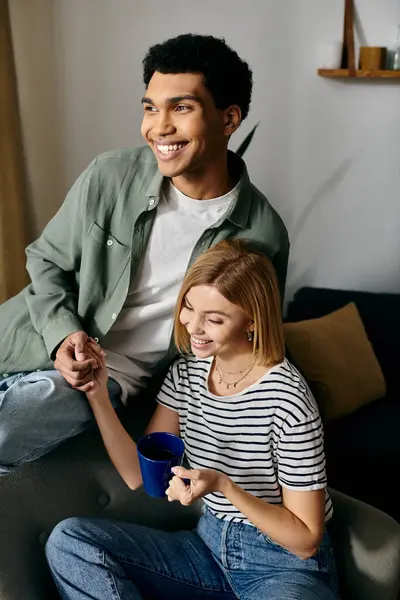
(345, 74)
(348, 60)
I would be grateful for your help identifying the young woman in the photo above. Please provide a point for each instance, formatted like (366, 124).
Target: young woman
(254, 442)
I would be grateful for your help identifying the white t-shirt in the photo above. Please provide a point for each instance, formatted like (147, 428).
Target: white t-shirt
(140, 336)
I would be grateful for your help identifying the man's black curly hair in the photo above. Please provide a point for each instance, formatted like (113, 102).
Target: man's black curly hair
(227, 77)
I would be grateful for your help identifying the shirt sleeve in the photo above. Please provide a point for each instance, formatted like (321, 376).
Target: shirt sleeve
(301, 456)
(53, 261)
(280, 262)
(168, 394)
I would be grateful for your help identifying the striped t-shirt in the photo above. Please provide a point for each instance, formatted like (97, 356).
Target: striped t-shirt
(266, 437)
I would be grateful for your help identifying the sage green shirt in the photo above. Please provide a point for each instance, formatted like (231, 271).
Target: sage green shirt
(82, 264)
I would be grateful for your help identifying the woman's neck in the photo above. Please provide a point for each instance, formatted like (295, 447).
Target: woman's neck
(237, 361)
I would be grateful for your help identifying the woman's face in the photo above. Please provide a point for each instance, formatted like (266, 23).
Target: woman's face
(215, 325)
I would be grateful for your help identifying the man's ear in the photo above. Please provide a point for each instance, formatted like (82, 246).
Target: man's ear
(232, 119)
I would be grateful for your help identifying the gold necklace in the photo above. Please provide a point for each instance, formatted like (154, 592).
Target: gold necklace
(236, 372)
(233, 383)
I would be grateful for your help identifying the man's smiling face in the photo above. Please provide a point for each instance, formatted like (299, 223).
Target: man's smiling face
(182, 125)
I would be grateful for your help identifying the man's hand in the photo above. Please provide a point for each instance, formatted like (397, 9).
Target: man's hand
(202, 482)
(76, 359)
(96, 389)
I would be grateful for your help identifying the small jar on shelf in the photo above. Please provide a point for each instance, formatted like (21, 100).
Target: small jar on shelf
(393, 54)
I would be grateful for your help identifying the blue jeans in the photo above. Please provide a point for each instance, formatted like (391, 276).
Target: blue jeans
(101, 559)
(38, 411)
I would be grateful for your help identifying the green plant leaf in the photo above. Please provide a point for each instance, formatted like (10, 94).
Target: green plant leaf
(246, 142)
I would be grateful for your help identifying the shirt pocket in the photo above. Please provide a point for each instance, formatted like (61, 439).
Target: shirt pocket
(104, 260)
(104, 237)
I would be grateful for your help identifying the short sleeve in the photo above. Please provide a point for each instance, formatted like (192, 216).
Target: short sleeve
(168, 394)
(301, 456)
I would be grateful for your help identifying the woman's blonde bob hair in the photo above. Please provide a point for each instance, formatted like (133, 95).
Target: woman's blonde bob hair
(248, 280)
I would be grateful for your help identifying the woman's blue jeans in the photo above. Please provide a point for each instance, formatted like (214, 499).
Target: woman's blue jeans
(107, 560)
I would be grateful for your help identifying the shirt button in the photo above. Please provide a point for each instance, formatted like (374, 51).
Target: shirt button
(5, 374)
(37, 370)
(151, 202)
(109, 242)
(96, 340)
(114, 315)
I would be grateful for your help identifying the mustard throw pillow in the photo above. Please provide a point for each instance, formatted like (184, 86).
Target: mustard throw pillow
(337, 359)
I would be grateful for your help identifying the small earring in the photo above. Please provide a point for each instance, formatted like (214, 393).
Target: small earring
(249, 336)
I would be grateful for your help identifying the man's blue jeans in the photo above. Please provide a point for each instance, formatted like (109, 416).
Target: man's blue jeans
(99, 559)
(38, 411)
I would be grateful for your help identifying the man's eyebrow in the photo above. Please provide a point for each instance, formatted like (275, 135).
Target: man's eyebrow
(175, 99)
(178, 99)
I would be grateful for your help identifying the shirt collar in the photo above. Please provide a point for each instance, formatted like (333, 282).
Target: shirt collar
(240, 208)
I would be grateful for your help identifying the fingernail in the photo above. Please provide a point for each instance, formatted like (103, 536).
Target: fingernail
(173, 470)
(103, 353)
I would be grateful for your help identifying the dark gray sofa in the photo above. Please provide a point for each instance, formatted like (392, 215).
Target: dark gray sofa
(78, 479)
(363, 448)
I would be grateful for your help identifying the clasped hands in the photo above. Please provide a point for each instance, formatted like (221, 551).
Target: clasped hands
(78, 358)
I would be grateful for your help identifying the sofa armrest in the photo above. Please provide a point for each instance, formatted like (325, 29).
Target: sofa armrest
(367, 549)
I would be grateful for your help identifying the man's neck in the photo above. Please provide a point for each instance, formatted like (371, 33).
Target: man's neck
(213, 184)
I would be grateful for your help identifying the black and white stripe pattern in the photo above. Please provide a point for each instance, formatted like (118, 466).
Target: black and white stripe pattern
(267, 437)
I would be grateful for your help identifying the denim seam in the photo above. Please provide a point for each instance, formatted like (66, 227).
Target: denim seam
(231, 582)
(109, 576)
(129, 561)
(223, 550)
(113, 586)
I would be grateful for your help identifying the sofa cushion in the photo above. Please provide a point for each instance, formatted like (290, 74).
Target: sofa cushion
(335, 356)
(380, 313)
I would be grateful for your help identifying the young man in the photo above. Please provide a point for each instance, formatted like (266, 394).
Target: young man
(110, 263)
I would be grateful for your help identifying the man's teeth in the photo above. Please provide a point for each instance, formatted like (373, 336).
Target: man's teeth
(170, 148)
(200, 341)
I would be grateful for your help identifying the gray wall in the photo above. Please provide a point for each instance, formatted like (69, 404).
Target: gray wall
(326, 154)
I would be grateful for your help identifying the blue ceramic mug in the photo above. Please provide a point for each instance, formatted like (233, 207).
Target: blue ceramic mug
(158, 452)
